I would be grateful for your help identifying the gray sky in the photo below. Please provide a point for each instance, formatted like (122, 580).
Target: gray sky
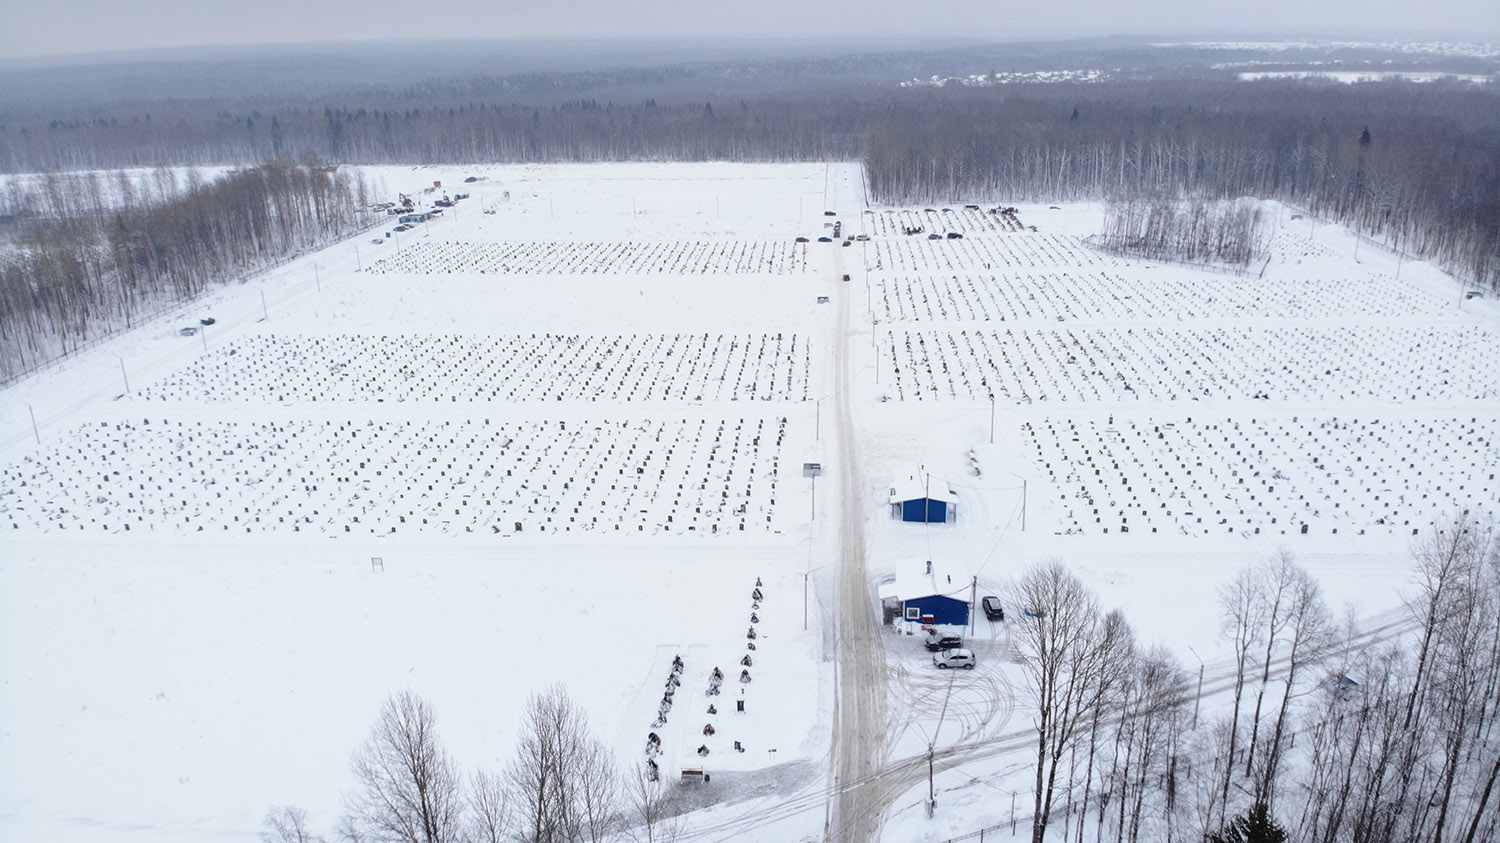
(58, 27)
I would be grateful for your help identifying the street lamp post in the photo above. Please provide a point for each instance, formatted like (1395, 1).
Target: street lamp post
(992, 418)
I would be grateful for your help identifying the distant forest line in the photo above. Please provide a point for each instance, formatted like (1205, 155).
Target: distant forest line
(1415, 165)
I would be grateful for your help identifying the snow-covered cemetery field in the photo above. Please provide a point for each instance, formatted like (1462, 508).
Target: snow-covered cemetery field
(598, 418)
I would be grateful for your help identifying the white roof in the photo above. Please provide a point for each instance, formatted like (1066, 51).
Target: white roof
(911, 580)
(921, 484)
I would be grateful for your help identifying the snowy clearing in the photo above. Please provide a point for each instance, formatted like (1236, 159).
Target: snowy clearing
(561, 437)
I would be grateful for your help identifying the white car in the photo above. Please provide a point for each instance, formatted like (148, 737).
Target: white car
(956, 657)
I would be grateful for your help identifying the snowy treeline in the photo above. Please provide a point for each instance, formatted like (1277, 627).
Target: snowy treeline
(1341, 734)
(1415, 165)
(80, 269)
(1228, 232)
(1410, 167)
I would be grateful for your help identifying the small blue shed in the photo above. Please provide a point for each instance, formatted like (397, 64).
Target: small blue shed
(919, 595)
(921, 498)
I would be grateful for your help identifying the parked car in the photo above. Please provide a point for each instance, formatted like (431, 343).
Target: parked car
(957, 657)
(207, 320)
(938, 641)
(378, 240)
(825, 239)
(934, 236)
(830, 213)
(992, 608)
(801, 239)
(954, 235)
(861, 237)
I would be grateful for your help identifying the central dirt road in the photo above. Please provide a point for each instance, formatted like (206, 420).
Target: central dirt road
(859, 745)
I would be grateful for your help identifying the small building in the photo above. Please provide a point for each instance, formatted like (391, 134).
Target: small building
(921, 498)
(919, 594)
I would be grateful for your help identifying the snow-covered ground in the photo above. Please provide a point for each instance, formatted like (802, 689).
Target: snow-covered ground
(558, 434)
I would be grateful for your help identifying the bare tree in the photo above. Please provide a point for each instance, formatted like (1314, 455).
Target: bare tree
(408, 786)
(489, 809)
(1071, 653)
(1308, 636)
(562, 777)
(1278, 576)
(654, 814)
(287, 824)
(1241, 606)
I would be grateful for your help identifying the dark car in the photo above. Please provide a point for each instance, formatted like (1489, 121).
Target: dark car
(937, 642)
(825, 239)
(830, 213)
(954, 235)
(934, 236)
(992, 608)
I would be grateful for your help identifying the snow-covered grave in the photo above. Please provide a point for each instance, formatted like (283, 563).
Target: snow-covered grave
(495, 368)
(1279, 365)
(1162, 295)
(711, 258)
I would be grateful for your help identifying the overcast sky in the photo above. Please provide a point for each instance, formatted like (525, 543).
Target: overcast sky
(58, 27)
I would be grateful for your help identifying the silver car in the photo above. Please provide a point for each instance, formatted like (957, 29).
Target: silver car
(956, 657)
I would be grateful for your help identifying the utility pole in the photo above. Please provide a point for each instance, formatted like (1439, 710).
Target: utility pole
(34, 431)
(992, 418)
(804, 599)
(1023, 499)
(123, 376)
(265, 312)
(358, 266)
(1198, 699)
(805, 576)
(319, 283)
(973, 598)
